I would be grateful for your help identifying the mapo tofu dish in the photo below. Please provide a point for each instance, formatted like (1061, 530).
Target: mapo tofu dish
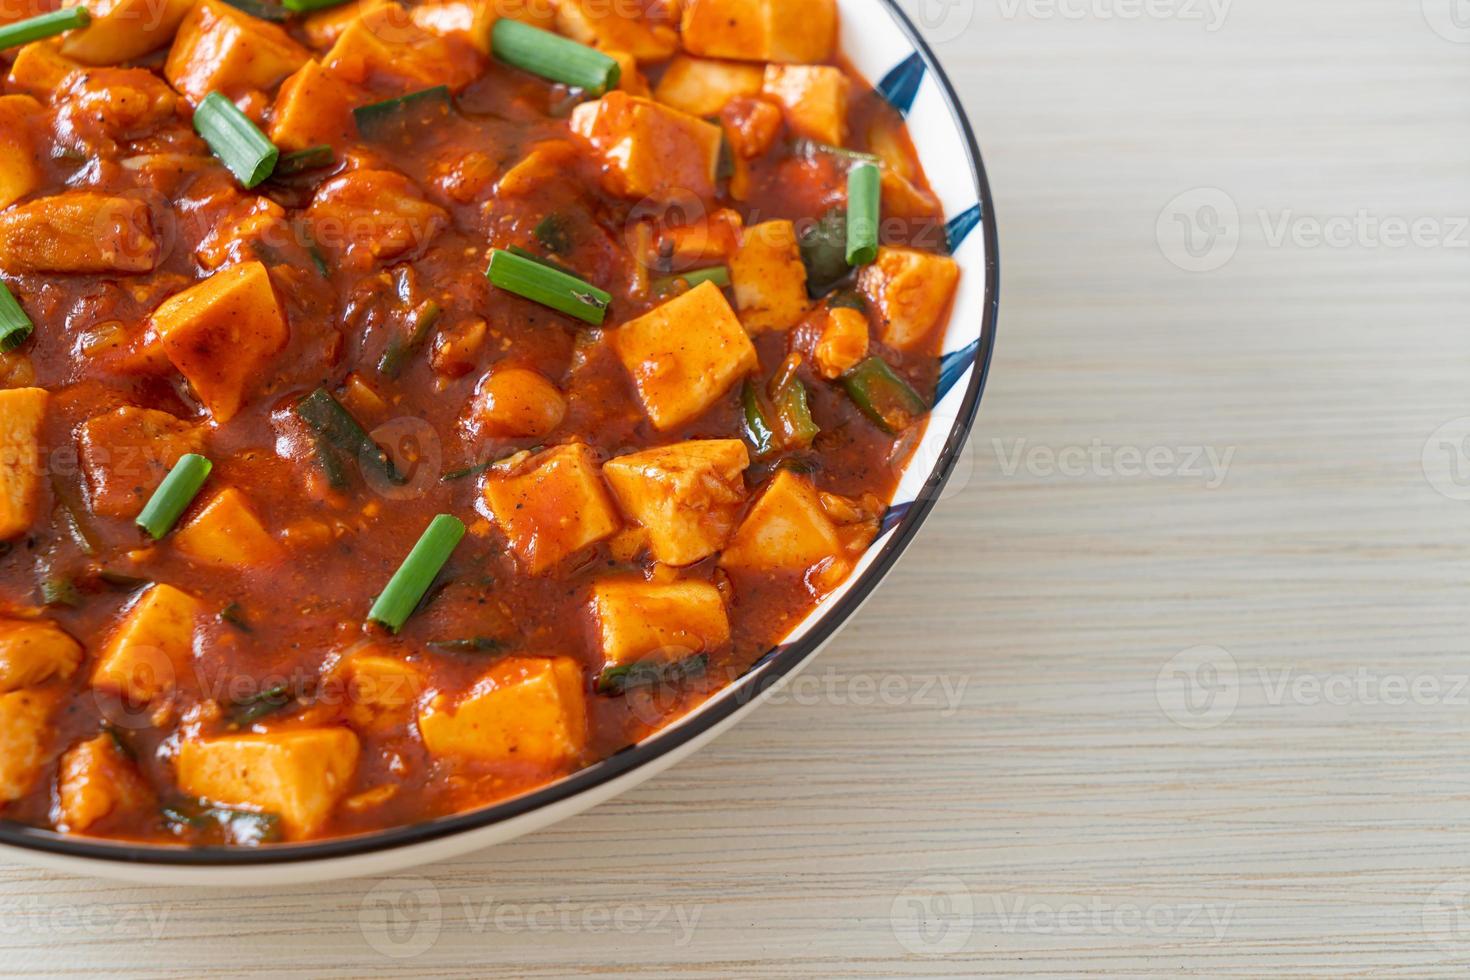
(402, 407)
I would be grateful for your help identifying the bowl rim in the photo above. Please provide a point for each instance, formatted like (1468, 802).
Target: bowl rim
(764, 674)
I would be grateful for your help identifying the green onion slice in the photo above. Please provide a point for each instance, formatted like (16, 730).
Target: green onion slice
(15, 326)
(339, 431)
(408, 585)
(810, 148)
(43, 26)
(265, 11)
(174, 494)
(553, 56)
(237, 141)
(381, 120)
(306, 6)
(646, 673)
(305, 161)
(863, 204)
(540, 283)
(717, 274)
(757, 429)
(883, 396)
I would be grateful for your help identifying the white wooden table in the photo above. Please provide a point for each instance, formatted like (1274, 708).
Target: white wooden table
(1123, 709)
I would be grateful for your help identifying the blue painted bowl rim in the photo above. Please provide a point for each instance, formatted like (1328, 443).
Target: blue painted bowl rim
(766, 673)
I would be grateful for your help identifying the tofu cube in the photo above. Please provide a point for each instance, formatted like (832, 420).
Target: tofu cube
(152, 648)
(379, 689)
(684, 355)
(298, 775)
(529, 710)
(552, 505)
(227, 533)
(25, 731)
(649, 149)
(96, 780)
(814, 98)
(769, 277)
(126, 453)
(760, 30)
(32, 651)
(910, 290)
(39, 68)
(78, 231)
(122, 30)
(386, 51)
(702, 86)
(472, 20)
(639, 621)
(687, 495)
(786, 531)
(373, 215)
(19, 171)
(22, 415)
(312, 107)
(599, 24)
(843, 343)
(221, 334)
(222, 49)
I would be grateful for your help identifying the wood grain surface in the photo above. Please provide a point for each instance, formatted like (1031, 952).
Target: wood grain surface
(1177, 679)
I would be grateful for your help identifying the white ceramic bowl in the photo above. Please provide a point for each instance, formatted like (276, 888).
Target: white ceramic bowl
(882, 44)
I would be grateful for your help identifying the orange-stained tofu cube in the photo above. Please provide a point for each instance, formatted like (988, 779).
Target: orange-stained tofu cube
(910, 291)
(702, 86)
(151, 649)
(599, 24)
(32, 651)
(649, 149)
(639, 620)
(22, 413)
(687, 495)
(39, 68)
(378, 690)
(78, 231)
(311, 108)
(684, 355)
(226, 532)
(814, 98)
(126, 453)
(530, 710)
(760, 30)
(386, 51)
(374, 214)
(96, 780)
(843, 343)
(769, 277)
(122, 30)
(472, 20)
(514, 402)
(19, 171)
(25, 730)
(551, 505)
(221, 333)
(298, 775)
(787, 531)
(222, 49)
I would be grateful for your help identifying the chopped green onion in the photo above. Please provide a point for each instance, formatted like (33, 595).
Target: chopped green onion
(391, 363)
(339, 430)
(848, 299)
(306, 6)
(380, 120)
(265, 11)
(243, 828)
(237, 141)
(234, 614)
(43, 26)
(795, 414)
(646, 673)
(248, 710)
(725, 162)
(409, 584)
(717, 274)
(552, 234)
(526, 253)
(304, 161)
(542, 284)
(15, 326)
(174, 494)
(757, 429)
(473, 644)
(553, 56)
(60, 590)
(810, 148)
(864, 201)
(883, 396)
(824, 252)
(121, 580)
